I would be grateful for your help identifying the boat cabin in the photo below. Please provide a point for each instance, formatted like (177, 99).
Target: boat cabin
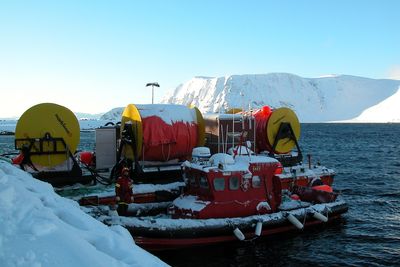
(226, 186)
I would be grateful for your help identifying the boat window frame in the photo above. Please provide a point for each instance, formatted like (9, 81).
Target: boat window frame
(194, 181)
(236, 187)
(219, 188)
(253, 181)
(203, 185)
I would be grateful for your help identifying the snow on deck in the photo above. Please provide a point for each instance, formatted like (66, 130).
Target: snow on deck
(40, 228)
(190, 203)
(304, 170)
(229, 163)
(167, 223)
(168, 113)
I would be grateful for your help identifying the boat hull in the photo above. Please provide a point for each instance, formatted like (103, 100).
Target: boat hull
(165, 234)
(161, 244)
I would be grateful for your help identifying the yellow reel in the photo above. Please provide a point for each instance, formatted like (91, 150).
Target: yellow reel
(131, 118)
(233, 111)
(277, 117)
(48, 120)
(201, 131)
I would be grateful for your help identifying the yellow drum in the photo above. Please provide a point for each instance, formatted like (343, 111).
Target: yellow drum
(49, 131)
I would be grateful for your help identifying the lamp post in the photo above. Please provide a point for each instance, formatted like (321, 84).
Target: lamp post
(152, 90)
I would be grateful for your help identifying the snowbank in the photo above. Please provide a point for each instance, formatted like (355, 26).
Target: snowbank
(40, 228)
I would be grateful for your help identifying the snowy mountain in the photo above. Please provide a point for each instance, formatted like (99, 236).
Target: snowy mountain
(385, 111)
(41, 228)
(330, 98)
(87, 116)
(113, 115)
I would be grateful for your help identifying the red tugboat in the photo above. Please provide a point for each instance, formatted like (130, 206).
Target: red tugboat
(230, 198)
(229, 187)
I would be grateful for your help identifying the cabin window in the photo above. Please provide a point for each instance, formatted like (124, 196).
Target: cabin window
(193, 180)
(219, 184)
(234, 183)
(256, 181)
(203, 182)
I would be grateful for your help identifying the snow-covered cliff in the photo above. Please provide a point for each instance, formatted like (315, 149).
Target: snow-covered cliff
(331, 98)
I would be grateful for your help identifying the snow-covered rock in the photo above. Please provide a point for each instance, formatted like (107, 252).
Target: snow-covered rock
(40, 228)
(330, 98)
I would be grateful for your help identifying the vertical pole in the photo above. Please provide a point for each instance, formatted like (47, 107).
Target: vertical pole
(152, 94)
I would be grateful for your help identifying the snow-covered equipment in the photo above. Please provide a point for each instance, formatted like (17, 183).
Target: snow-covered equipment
(201, 153)
(158, 138)
(275, 131)
(161, 132)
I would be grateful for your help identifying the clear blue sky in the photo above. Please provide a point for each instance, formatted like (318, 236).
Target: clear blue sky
(94, 55)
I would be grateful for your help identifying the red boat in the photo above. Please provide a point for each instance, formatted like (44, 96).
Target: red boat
(232, 198)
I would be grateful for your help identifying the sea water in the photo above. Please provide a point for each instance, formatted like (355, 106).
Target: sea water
(366, 158)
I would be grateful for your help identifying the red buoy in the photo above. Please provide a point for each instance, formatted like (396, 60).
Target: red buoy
(87, 157)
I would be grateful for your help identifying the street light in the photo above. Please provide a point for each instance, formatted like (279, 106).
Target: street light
(152, 90)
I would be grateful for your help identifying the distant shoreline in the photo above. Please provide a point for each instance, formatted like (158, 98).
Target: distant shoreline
(6, 133)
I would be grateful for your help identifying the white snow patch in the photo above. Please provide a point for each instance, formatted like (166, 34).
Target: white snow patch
(168, 113)
(228, 163)
(190, 203)
(221, 158)
(40, 228)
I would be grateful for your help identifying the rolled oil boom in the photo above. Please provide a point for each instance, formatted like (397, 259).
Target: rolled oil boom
(161, 132)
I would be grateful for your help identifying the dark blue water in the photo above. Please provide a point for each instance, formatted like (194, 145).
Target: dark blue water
(367, 160)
